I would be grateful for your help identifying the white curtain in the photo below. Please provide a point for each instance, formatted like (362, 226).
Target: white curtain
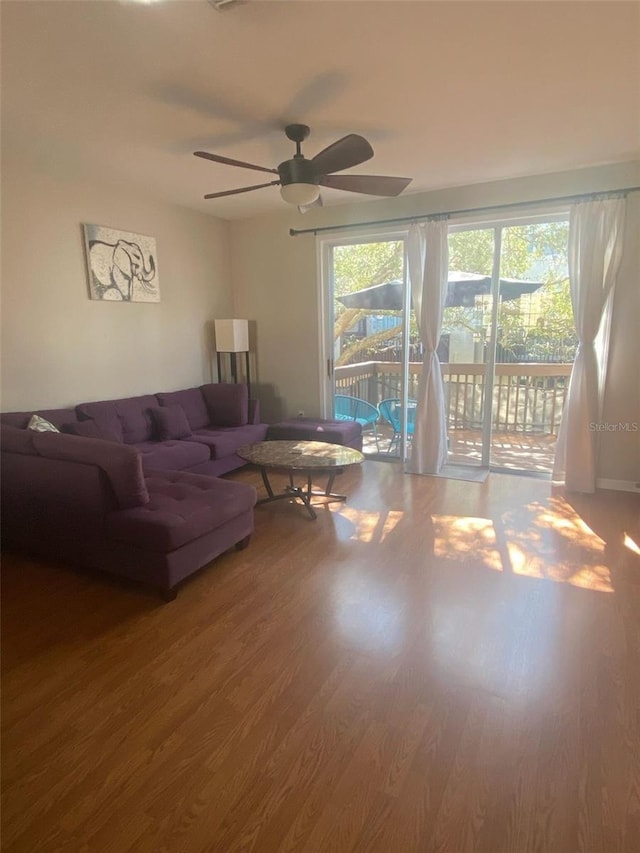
(595, 251)
(428, 257)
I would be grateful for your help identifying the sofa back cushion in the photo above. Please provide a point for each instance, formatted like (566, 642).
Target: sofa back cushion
(133, 413)
(192, 403)
(57, 417)
(228, 404)
(122, 465)
(106, 429)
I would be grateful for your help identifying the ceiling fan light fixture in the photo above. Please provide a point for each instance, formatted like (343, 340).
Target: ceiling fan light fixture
(300, 194)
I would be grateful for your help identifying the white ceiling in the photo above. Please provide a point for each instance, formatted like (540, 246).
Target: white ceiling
(449, 93)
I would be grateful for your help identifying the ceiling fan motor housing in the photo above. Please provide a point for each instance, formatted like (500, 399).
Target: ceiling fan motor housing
(298, 170)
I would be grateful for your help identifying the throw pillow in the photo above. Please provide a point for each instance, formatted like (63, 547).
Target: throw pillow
(38, 424)
(171, 422)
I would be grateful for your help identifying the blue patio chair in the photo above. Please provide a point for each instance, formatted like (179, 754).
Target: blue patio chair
(355, 409)
(391, 412)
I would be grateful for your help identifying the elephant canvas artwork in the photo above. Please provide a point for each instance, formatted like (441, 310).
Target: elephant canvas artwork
(122, 266)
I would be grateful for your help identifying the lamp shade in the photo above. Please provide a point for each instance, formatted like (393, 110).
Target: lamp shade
(232, 335)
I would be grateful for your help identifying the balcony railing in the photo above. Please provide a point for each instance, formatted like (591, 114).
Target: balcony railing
(526, 397)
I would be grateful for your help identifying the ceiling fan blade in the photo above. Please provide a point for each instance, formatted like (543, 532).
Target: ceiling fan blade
(229, 162)
(349, 151)
(303, 208)
(242, 190)
(368, 184)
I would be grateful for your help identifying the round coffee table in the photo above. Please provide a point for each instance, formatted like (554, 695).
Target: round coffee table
(307, 457)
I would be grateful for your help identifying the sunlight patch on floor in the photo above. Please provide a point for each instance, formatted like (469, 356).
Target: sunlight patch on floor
(545, 540)
(390, 523)
(464, 537)
(631, 544)
(538, 533)
(364, 525)
(531, 565)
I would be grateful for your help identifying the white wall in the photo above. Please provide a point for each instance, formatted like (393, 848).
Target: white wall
(275, 284)
(58, 346)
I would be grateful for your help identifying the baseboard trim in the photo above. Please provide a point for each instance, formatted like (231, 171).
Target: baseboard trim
(618, 485)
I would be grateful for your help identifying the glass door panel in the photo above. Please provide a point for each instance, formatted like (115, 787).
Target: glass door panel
(369, 340)
(466, 339)
(535, 345)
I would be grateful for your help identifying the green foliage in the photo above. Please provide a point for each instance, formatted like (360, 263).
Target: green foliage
(355, 267)
(471, 251)
(365, 264)
(534, 251)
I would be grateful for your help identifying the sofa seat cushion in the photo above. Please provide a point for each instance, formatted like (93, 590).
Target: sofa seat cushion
(172, 455)
(225, 441)
(192, 402)
(134, 414)
(182, 507)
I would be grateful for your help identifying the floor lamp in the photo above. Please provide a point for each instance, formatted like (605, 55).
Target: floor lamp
(232, 336)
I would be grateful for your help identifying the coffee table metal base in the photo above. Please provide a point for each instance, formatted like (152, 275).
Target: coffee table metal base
(300, 492)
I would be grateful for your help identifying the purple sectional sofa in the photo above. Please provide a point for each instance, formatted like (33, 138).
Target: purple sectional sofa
(212, 421)
(129, 486)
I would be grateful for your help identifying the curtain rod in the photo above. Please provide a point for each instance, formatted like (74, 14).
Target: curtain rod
(294, 232)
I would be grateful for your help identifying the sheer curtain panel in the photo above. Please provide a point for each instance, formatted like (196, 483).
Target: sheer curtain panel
(595, 251)
(428, 264)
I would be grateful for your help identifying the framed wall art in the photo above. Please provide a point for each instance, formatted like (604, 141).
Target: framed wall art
(121, 266)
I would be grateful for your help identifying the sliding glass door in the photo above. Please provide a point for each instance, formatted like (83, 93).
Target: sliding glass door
(509, 341)
(506, 350)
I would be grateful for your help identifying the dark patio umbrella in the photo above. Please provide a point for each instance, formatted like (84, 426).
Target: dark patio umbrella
(463, 288)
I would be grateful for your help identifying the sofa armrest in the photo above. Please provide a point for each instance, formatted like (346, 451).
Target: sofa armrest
(121, 464)
(254, 412)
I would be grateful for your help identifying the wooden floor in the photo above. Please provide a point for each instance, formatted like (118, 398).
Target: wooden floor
(433, 666)
(531, 452)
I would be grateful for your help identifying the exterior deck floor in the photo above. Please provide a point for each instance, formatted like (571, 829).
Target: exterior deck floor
(513, 450)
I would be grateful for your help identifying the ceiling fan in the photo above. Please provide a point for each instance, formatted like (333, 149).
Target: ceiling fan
(299, 178)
